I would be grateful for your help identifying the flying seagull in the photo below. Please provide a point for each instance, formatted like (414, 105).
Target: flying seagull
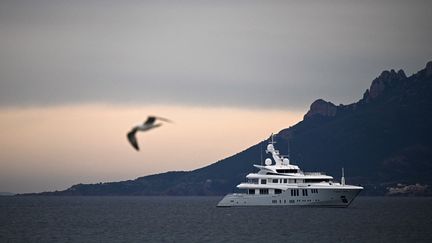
(147, 125)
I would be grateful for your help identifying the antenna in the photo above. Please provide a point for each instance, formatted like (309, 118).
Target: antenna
(343, 177)
(261, 149)
(272, 139)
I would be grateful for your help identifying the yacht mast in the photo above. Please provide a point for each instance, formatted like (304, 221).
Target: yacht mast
(261, 149)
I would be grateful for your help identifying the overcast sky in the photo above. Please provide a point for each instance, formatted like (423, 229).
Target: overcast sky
(76, 75)
(281, 54)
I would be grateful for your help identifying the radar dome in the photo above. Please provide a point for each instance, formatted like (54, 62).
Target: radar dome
(270, 147)
(268, 161)
(286, 161)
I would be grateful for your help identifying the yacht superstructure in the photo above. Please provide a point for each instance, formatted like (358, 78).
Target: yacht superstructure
(284, 184)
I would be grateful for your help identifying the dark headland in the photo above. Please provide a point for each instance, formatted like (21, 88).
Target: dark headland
(384, 142)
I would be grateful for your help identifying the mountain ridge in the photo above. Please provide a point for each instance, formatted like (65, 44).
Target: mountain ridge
(383, 140)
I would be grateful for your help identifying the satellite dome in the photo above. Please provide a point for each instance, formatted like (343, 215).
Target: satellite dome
(270, 147)
(268, 161)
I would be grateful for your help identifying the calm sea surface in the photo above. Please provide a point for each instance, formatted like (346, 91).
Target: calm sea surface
(196, 219)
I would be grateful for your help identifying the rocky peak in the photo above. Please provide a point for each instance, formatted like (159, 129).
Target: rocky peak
(381, 82)
(321, 107)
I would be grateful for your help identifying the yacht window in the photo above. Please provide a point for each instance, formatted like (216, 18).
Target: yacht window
(275, 180)
(263, 181)
(251, 191)
(253, 181)
(285, 180)
(316, 180)
(264, 191)
(278, 191)
(278, 174)
(287, 171)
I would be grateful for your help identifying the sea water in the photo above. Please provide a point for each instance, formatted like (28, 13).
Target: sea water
(197, 219)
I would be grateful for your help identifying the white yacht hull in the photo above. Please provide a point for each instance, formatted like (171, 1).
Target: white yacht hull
(329, 197)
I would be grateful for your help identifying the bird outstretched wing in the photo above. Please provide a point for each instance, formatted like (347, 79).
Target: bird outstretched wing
(132, 138)
(164, 119)
(152, 119)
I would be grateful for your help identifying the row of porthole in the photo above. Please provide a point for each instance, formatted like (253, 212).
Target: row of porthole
(293, 201)
(290, 201)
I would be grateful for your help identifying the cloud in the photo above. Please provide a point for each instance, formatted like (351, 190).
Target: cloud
(281, 54)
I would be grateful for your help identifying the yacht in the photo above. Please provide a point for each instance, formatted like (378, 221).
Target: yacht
(280, 183)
